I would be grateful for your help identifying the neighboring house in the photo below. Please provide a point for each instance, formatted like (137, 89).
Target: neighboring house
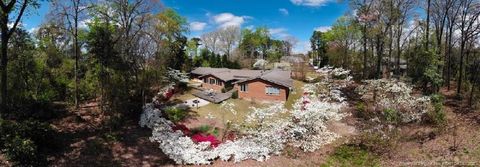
(250, 84)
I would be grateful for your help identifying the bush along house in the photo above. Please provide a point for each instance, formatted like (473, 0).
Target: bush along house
(269, 85)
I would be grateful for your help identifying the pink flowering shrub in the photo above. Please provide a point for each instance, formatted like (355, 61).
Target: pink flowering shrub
(214, 142)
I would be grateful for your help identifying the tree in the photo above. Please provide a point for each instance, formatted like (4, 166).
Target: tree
(228, 38)
(8, 11)
(451, 22)
(101, 47)
(170, 28)
(364, 17)
(70, 13)
(469, 28)
(319, 48)
(210, 41)
(343, 34)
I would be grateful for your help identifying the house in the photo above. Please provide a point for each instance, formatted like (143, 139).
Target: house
(271, 85)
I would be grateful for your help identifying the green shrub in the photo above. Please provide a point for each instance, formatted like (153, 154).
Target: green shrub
(352, 155)
(206, 129)
(175, 114)
(436, 116)
(361, 107)
(224, 90)
(235, 95)
(24, 143)
(203, 128)
(437, 98)
(381, 141)
(23, 152)
(391, 115)
(363, 112)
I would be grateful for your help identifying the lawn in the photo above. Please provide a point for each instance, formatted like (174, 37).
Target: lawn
(295, 94)
(214, 115)
(242, 108)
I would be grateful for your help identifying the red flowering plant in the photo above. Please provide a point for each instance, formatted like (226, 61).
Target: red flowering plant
(182, 128)
(214, 142)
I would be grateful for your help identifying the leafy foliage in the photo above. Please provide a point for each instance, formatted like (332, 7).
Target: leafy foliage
(25, 143)
(352, 155)
(175, 114)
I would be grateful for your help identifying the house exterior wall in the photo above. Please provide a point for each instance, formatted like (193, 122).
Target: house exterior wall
(215, 87)
(256, 91)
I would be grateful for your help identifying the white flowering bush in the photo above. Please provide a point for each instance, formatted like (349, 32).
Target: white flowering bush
(268, 130)
(397, 95)
(176, 76)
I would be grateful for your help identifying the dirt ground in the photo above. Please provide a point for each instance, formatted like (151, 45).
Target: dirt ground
(456, 145)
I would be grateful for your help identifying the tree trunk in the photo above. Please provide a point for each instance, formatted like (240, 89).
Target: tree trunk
(365, 68)
(472, 90)
(460, 70)
(4, 38)
(379, 57)
(76, 52)
(427, 28)
(449, 55)
(399, 52)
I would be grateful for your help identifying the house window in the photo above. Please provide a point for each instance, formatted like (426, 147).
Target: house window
(243, 87)
(212, 81)
(219, 82)
(204, 80)
(270, 90)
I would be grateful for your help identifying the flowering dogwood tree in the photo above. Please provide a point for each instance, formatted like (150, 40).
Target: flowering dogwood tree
(394, 94)
(269, 130)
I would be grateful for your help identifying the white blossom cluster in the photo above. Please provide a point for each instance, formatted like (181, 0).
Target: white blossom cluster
(311, 113)
(176, 76)
(337, 73)
(394, 94)
(183, 150)
(271, 128)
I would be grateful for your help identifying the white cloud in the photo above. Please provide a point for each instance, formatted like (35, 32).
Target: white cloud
(323, 28)
(197, 26)
(229, 19)
(283, 11)
(312, 3)
(279, 32)
(84, 23)
(250, 27)
(302, 47)
(275, 31)
(20, 24)
(33, 30)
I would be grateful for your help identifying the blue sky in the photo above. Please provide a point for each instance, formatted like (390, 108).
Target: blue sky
(296, 18)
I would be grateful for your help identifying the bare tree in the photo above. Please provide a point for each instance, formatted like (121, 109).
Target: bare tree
(211, 40)
(70, 13)
(451, 23)
(289, 43)
(364, 17)
(404, 8)
(439, 15)
(469, 27)
(228, 38)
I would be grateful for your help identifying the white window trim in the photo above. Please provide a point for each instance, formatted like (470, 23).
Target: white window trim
(269, 88)
(245, 86)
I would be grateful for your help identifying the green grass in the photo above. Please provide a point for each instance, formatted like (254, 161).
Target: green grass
(241, 106)
(350, 155)
(295, 94)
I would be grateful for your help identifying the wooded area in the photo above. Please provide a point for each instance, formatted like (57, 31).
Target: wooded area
(435, 42)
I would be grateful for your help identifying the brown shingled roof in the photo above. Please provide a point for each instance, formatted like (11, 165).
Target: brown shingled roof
(279, 77)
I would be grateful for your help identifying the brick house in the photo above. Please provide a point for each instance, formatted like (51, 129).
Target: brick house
(271, 85)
